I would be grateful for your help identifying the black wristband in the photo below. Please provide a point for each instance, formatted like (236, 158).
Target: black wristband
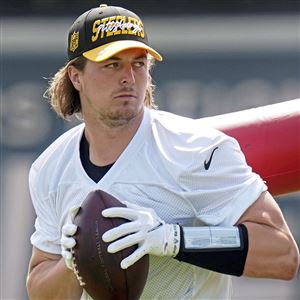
(228, 261)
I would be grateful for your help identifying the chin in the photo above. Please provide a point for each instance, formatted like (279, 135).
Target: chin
(121, 116)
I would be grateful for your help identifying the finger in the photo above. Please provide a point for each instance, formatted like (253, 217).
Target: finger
(74, 209)
(69, 229)
(120, 212)
(122, 230)
(73, 212)
(133, 258)
(126, 242)
(68, 242)
(68, 259)
(66, 254)
(139, 208)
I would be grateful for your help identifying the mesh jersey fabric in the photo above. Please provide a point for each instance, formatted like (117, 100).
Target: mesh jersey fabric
(163, 168)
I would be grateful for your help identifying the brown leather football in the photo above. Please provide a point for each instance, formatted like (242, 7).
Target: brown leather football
(99, 271)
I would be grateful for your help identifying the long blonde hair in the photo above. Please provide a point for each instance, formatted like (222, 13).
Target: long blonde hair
(65, 99)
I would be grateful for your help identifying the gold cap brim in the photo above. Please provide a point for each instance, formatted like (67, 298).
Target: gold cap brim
(106, 51)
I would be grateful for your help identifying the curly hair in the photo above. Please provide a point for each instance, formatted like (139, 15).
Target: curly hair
(65, 99)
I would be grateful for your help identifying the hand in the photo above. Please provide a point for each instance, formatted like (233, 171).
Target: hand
(146, 229)
(67, 241)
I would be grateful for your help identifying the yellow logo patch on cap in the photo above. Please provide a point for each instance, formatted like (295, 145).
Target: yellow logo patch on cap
(74, 41)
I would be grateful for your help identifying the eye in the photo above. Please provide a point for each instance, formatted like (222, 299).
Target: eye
(139, 64)
(113, 65)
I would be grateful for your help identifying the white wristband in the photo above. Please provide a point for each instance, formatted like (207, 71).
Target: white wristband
(172, 239)
(211, 238)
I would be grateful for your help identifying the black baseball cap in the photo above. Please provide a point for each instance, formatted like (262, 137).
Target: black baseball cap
(104, 31)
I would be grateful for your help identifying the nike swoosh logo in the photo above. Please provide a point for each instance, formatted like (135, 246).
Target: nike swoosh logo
(207, 163)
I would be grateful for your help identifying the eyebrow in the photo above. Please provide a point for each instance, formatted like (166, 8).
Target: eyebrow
(137, 57)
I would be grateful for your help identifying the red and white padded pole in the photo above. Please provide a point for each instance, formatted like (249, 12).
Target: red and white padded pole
(269, 137)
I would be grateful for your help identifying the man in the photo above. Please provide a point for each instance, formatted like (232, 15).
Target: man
(177, 180)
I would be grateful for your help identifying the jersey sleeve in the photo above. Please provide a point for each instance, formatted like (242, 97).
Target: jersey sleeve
(46, 236)
(219, 184)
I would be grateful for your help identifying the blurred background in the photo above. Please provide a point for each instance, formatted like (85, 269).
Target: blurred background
(219, 57)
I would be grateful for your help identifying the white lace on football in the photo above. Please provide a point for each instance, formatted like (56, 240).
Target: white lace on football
(76, 271)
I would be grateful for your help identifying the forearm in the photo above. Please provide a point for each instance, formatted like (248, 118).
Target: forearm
(219, 249)
(267, 251)
(51, 279)
(259, 245)
(271, 253)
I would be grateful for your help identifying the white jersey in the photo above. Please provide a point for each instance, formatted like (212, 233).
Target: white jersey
(189, 174)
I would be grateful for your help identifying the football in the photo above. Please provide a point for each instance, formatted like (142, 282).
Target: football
(98, 271)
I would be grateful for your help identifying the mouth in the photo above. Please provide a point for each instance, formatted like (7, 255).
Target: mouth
(125, 96)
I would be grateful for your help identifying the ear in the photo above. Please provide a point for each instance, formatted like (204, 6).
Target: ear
(74, 75)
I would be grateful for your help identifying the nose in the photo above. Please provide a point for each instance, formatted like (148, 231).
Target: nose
(127, 78)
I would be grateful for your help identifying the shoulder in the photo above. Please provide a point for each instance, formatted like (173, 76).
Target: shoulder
(60, 150)
(184, 144)
(183, 130)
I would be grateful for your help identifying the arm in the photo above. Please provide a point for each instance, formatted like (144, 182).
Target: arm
(49, 278)
(272, 252)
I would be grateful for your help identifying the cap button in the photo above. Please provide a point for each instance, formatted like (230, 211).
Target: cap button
(103, 5)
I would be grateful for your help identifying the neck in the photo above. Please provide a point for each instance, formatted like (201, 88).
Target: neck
(107, 143)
